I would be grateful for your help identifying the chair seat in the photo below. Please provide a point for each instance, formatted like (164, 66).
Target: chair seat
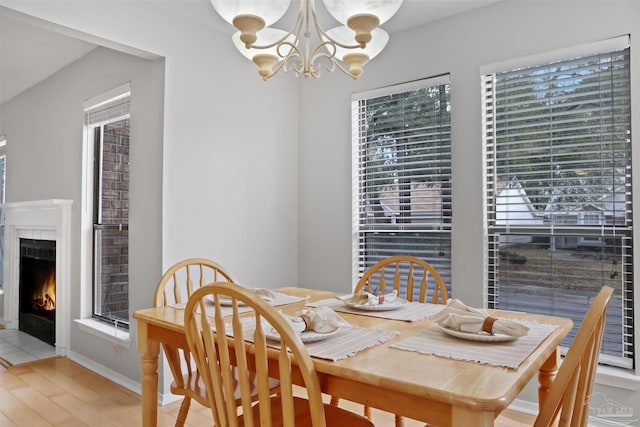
(336, 417)
(196, 389)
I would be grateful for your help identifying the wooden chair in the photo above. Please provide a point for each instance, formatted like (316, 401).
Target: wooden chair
(413, 272)
(408, 275)
(214, 353)
(569, 395)
(175, 287)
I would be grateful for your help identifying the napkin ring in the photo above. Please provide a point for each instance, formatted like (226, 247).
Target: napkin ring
(307, 321)
(381, 298)
(487, 325)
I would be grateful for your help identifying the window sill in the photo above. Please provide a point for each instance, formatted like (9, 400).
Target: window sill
(618, 378)
(105, 331)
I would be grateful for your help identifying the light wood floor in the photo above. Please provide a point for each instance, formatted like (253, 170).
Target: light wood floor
(59, 392)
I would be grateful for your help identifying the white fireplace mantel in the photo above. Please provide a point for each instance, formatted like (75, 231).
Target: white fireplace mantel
(39, 219)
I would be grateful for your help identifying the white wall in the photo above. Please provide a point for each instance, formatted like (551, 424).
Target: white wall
(44, 161)
(459, 46)
(224, 182)
(258, 176)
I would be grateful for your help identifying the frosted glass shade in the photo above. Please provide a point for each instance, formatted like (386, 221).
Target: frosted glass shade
(270, 11)
(345, 35)
(342, 10)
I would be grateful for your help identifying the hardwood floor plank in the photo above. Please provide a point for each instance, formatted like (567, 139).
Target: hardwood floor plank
(43, 405)
(82, 410)
(9, 381)
(58, 392)
(42, 384)
(6, 422)
(18, 412)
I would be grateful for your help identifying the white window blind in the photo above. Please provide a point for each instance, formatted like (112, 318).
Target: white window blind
(402, 175)
(558, 196)
(108, 107)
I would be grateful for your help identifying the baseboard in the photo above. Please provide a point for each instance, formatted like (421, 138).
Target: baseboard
(106, 372)
(524, 406)
(163, 398)
(531, 408)
(166, 398)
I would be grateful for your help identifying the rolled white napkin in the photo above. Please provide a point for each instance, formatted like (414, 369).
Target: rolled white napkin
(320, 319)
(367, 298)
(457, 316)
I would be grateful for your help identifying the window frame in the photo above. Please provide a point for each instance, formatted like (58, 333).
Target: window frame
(594, 232)
(109, 107)
(403, 229)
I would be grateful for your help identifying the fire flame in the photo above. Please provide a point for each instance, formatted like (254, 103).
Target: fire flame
(45, 297)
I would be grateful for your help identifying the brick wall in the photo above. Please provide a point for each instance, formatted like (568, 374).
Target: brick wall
(115, 210)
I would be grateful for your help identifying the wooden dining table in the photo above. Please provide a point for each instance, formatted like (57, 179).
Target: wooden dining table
(433, 389)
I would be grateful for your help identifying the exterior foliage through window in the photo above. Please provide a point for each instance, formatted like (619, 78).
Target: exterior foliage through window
(402, 175)
(558, 195)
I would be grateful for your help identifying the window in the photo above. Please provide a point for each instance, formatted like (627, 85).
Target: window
(402, 174)
(107, 123)
(558, 195)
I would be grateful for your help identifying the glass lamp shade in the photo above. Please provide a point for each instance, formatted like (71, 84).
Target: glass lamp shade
(356, 58)
(342, 10)
(270, 11)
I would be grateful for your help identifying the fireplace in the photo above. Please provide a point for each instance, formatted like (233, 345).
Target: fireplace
(48, 220)
(37, 289)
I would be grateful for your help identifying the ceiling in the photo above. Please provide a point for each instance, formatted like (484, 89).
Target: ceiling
(30, 53)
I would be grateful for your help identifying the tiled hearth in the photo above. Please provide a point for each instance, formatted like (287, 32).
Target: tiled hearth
(39, 219)
(17, 347)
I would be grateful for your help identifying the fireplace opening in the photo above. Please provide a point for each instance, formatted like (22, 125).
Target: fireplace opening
(37, 289)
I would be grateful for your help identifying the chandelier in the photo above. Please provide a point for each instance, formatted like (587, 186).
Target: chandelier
(347, 47)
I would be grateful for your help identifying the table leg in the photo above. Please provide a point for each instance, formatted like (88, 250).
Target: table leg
(148, 350)
(547, 374)
(465, 417)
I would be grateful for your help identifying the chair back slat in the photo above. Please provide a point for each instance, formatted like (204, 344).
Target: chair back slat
(423, 290)
(409, 281)
(570, 392)
(174, 287)
(415, 268)
(232, 342)
(286, 391)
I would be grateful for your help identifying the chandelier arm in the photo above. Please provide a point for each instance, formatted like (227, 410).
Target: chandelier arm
(323, 36)
(334, 63)
(330, 50)
(296, 28)
(294, 55)
(344, 70)
(285, 54)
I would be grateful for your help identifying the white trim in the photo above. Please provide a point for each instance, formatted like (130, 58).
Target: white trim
(108, 96)
(105, 372)
(617, 377)
(121, 380)
(602, 46)
(105, 331)
(403, 87)
(39, 219)
(167, 398)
